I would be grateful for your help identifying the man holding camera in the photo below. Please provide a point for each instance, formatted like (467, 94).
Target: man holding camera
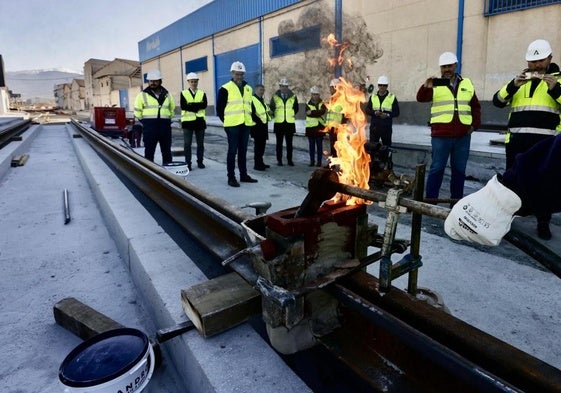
(534, 97)
(455, 114)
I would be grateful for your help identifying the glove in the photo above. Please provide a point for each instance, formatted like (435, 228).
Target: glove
(485, 216)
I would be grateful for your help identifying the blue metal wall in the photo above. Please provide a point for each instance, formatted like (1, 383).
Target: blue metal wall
(214, 17)
(249, 56)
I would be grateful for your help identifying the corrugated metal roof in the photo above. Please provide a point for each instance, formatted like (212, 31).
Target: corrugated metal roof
(214, 17)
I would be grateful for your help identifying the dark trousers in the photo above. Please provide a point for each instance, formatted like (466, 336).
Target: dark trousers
(188, 141)
(521, 143)
(315, 147)
(238, 138)
(383, 133)
(153, 136)
(283, 134)
(259, 142)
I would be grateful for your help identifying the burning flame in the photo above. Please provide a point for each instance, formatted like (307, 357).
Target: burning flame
(352, 162)
(342, 47)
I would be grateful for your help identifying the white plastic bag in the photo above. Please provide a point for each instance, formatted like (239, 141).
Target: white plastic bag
(485, 216)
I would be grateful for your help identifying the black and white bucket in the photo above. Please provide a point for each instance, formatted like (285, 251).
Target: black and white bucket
(178, 168)
(119, 360)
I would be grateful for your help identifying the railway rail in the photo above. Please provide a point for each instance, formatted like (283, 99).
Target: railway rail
(389, 338)
(12, 129)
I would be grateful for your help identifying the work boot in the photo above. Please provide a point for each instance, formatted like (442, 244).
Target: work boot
(290, 163)
(189, 166)
(543, 231)
(232, 182)
(312, 163)
(201, 165)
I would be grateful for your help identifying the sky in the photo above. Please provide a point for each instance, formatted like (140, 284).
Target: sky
(47, 34)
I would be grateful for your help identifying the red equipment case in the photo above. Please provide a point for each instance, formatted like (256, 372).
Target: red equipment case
(109, 121)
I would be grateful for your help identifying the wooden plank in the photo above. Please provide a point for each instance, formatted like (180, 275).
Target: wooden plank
(82, 320)
(220, 304)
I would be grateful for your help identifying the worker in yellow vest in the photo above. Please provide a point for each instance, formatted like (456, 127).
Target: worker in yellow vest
(284, 105)
(260, 115)
(315, 123)
(233, 107)
(534, 98)
(383, 108)
(333, 119)
(455, 114)
(154, 108)
(193, 119)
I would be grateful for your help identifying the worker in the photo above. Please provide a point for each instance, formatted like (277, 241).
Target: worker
(154, 108)
(315, 123)
(535, 105)
(284, 105)
(260, 115)
(193, 119)
(455, 114)
(333, 119)
(233, 107)
(383, 108)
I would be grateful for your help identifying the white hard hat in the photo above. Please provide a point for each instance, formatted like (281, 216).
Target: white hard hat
(237, 66)
(314, 90)
(334, 82)
(191, 76)
(447, 58)
(154, 75)
(383, 80)
(283, 82)
(538, 50)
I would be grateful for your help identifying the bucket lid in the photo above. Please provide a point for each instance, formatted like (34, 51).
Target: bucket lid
(103, 357)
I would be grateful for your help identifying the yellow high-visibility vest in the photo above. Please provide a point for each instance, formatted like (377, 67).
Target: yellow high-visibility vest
(147, 107)
(190, 116)
(238, 107)
(261, 110)
(314, 121)
(284, 111)
(444, 104)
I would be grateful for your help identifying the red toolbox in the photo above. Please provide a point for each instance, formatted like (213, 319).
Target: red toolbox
(109, 121)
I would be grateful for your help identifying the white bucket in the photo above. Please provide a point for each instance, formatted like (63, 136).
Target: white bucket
(178, 168)
(119, 360)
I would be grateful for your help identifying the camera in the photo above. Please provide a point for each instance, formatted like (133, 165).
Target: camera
(533, 75)
(440, 82)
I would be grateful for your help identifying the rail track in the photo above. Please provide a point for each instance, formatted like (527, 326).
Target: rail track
(12, 129)
(391, 340)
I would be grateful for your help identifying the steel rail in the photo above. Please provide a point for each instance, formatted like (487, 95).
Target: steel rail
(11, 130)
(213, 221)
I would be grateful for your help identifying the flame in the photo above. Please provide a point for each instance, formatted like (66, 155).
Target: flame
(342, 47)
(352, 162)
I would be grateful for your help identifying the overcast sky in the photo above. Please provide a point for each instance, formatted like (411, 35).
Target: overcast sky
(44, 34)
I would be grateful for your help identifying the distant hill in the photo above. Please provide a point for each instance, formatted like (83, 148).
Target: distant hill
(38, 85)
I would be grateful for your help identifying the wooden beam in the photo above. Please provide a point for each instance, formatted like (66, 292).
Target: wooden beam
(219, 304)
(82, 320)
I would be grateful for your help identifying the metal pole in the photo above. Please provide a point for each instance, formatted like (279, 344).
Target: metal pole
(66, 207)
(416, 221)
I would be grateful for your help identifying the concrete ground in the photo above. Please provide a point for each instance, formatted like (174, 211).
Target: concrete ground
(115, 256)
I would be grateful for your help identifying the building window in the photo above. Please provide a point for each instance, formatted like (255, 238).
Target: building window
(493, 7)
(196, 65)
(296, 41)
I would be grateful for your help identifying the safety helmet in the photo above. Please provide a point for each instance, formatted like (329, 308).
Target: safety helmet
(314, 90)
(334, 82)
(383, 80)
(154, 75)
(237, 66)
(447, 58)
(538, 50)
(191, 76)
(283, 82)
